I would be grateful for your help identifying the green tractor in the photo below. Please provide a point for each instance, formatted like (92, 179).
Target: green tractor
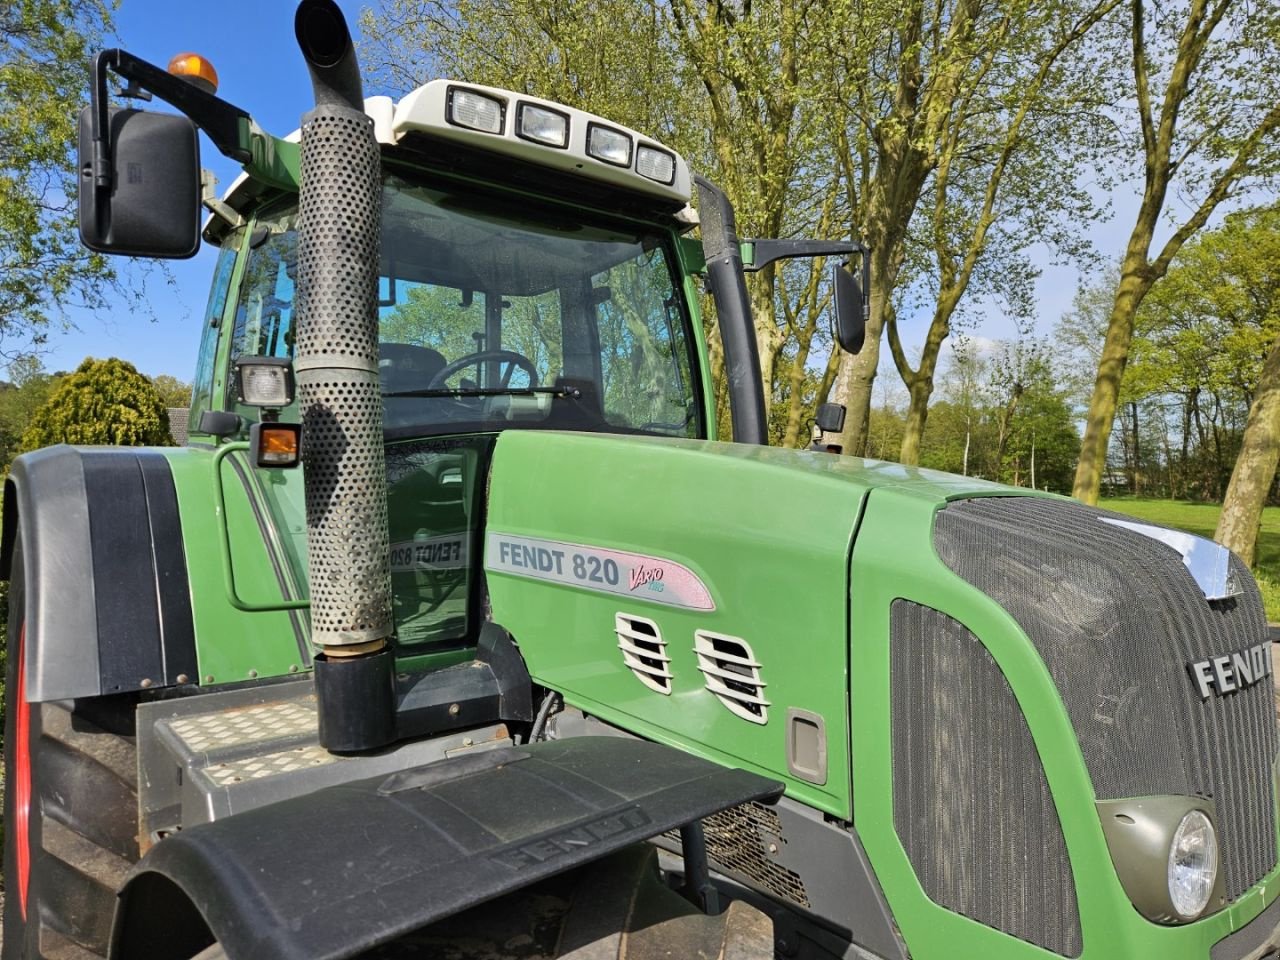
(520, 662)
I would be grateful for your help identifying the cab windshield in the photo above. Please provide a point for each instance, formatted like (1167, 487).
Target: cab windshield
(494, 315)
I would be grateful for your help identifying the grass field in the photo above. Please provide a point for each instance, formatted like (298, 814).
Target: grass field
(1202, 518)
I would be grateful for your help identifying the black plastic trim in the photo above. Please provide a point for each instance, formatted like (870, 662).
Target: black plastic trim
(733, 313)
(109, 606)
(415, 847)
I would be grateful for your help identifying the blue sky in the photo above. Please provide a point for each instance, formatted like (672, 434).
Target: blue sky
(259, 69)
(252, 47)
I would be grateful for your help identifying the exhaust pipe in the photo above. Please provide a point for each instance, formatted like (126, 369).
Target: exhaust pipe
(336, 364)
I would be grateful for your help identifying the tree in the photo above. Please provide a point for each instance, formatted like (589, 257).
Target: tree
(44, 58)
(173, 392)
(103, 402)
(1203, 84)
(1227, 283)
(28, 388)
(942, 81)
(727, 85)
(989, 197)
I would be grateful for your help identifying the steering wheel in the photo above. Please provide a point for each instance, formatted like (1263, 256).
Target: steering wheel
(509, 357)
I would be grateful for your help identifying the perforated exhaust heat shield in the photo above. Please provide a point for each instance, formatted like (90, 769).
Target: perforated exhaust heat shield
(336, 361)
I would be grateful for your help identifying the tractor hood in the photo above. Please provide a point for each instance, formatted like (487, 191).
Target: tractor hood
(690, 588)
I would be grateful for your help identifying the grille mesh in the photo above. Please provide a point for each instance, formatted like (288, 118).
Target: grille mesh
(971, 804)
(337, 372)
(738, 842)
(1117, 619)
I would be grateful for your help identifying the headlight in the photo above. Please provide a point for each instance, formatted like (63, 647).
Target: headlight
(1165, 852)
(1193, 865)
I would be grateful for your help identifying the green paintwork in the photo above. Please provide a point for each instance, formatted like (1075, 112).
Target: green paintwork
(711, 507)
(269, 532)
(275, 162)
(893, 558)
(231, 645)
(809, 589)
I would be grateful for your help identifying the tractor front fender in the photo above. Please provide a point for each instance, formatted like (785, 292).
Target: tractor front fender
(331, 874)
(108, 604)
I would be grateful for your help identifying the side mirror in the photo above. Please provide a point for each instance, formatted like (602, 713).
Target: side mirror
(850, 305)
(829, 417)
(150, 204)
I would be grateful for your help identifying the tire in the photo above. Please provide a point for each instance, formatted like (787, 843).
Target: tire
(70, 811)
(617, 908)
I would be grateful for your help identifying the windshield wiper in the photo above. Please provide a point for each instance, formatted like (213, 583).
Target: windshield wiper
(569, 393)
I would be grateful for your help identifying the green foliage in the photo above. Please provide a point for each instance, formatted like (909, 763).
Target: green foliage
(26, 391)
(103, 402)
(1003, 416)
(1199, 341)
(173, 392)
(44, 57)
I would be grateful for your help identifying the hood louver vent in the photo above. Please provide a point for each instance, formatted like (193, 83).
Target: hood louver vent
(733, 674)
(644, 651)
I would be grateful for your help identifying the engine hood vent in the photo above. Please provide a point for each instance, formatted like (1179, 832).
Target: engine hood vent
(733, 674)
(644, 651)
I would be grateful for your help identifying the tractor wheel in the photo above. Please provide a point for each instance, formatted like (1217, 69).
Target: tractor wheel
(615, 909)
(70, 811)
(618, 908)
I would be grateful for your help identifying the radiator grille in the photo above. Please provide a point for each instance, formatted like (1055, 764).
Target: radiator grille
(739, 841)
(971, 804)
(1117, 619)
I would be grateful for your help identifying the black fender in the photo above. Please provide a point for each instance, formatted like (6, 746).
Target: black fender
(105, 569)
(331, 874)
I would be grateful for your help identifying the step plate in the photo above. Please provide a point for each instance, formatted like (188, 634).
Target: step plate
(205, 757)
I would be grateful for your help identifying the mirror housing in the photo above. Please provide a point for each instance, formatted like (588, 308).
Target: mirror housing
(829, 417)
(150, 204)
(850, 305)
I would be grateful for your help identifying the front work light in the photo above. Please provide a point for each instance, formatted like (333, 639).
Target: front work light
(1193, 865)
(264, 382)
(609, 145)
(550, 127)
(475, 111)
(656, 164)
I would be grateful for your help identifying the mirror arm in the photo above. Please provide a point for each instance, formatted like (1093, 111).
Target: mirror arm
(765, 252)
(227, 126)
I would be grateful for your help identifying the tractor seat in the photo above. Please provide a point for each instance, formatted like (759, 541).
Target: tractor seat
(407, 366)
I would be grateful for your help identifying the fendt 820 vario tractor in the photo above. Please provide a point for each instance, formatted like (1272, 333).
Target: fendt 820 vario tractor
(520, 661)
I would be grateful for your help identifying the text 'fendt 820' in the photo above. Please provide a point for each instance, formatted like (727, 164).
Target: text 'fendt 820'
(454, 631)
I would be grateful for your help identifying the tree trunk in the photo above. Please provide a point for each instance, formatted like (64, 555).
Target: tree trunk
(1106, 390)
(1137, 449)
(921, 388)
(1255, 467)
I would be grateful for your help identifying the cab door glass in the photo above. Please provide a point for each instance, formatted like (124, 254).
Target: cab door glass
(643, 350)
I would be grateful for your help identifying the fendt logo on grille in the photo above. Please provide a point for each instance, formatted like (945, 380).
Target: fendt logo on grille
(1232, 671)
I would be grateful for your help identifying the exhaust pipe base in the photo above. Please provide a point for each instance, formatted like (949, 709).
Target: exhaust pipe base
(356, 701)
